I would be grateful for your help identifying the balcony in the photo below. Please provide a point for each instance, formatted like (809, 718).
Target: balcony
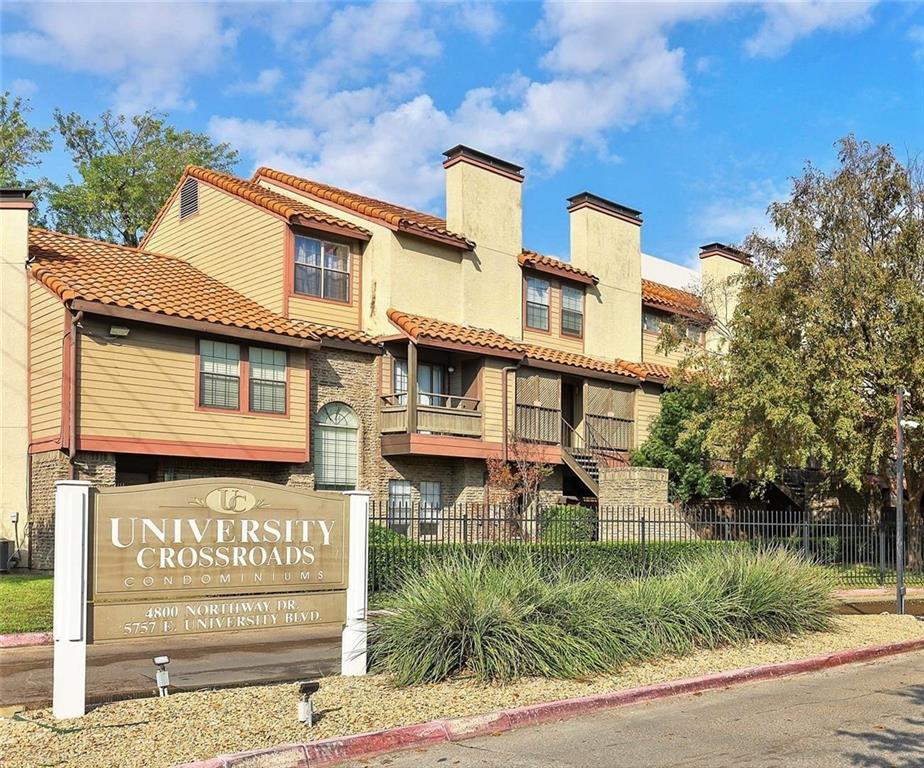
(436, 414)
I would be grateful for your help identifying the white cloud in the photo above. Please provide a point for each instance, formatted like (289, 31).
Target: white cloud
(786, 22)
(738, 211)
(23, 87)
(265, 82)
(916, 36)
(480, 19)
(609, 66)
(148, 50)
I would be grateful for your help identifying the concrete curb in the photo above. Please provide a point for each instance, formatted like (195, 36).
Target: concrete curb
(25, 638)
(365, 745)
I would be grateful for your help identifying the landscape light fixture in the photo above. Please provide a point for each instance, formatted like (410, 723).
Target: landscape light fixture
(305, 706)
(162, 675)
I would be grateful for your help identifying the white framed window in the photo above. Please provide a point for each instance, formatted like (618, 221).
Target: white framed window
(399, 506)
(431, 503)
(219, 375)
(322, 269)
(572, 311)
(651, 321)
(537, 303)
(267, 380)
(335, 448)
(431, 383)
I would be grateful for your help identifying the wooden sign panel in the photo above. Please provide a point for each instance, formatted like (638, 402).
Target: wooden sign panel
(199, 556)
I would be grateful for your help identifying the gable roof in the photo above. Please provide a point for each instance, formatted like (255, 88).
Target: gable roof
(118, 280)
(486, 340)
(293, 211)
(395, 217)
(673, 300)
(542, 263)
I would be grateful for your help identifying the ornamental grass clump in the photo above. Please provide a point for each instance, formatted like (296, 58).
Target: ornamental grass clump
(503, 619)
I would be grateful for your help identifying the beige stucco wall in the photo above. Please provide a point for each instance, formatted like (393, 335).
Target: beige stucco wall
(720, 293)
(611, 249)
(487, 207)
(235, 242)
(14, 398)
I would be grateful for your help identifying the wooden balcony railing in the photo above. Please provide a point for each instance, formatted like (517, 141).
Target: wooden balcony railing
(536, 424)
(437, 414)
(608, 433)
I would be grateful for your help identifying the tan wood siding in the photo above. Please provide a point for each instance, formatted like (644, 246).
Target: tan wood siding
(233, 241)
(325, 312)
(144, 387)
(492, 384)
(650, 353)
(647, 409)
(46, 361)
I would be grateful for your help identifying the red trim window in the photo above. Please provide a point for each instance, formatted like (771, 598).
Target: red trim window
(537, 303)
(322, 269)
(267, 375)
(219, 375)
(572, 311)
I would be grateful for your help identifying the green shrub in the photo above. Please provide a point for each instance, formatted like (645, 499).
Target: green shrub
(501, 619)
(566, 523)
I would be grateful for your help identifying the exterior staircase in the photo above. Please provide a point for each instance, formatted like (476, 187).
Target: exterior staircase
(584, 464)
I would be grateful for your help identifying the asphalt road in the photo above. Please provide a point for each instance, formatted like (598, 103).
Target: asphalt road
(863, 716)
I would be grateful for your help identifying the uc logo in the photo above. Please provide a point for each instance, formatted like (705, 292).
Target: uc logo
(230, 501)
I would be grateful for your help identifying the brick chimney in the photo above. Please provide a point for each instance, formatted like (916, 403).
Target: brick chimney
(15, 206)
(606, 240)
(484, 202)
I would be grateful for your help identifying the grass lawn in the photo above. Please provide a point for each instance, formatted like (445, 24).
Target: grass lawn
(25, 603)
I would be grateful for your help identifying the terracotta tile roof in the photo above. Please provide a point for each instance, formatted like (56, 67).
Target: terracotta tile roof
(537, 260)
(337, 333)
(673, 299)
(395, 216)
(436, 330)
(657, 371)
(287, 207)
(78, 268)
(576, 360)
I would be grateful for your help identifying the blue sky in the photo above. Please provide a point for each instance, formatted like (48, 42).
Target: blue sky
(696, 114)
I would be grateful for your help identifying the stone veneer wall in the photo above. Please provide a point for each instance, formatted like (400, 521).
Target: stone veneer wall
(47, 468)
(633, 487)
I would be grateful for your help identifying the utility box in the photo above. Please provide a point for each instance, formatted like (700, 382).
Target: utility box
(6, 552)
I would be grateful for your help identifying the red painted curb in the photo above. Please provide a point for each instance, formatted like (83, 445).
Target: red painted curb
(331, 751)
(25, 638)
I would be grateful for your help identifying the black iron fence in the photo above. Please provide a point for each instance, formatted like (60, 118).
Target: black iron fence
(624, 542)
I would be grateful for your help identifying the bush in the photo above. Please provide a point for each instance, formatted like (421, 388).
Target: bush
(393, 558)
(566, 523)
(503, 619)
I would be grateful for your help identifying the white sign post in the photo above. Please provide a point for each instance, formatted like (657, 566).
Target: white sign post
(353, 647)
(72, 504)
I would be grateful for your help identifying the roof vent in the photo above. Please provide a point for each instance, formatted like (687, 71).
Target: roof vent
(189, 198)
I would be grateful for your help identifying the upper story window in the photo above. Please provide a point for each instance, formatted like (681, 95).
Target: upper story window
(219, 375)
(322, 269)
(572, 311)
(696, 333)
(651, 321)
(537, 303)
(267, 380)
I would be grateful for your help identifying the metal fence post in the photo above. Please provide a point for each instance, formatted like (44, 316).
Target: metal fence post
(465, 527)
(805, 531)
(641, 522)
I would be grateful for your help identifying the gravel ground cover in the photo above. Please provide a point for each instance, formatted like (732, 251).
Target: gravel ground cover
(157, 733)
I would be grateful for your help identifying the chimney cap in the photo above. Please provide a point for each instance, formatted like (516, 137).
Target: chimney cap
(590, 200)
(477, 157)
(724, 250)
(14, 193)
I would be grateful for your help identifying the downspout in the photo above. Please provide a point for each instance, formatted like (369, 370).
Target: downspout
(504, 371)
(72, 404)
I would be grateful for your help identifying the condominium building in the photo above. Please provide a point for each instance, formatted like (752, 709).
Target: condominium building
(284, 329)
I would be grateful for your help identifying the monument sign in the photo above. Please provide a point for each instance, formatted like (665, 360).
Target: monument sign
(200, 557)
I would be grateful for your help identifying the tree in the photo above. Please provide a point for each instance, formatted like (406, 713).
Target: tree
(516, 479)
(677, 442)
(127, 168)
(830, 322)
(20, 143)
